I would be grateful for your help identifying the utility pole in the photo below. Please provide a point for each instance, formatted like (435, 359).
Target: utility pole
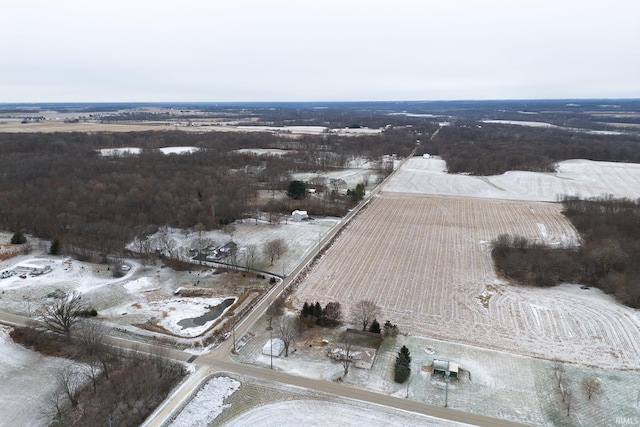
(233, 334)
(271, 346)
(446, 393)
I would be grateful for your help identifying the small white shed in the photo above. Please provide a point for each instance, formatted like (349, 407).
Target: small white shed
(273, 347)
(299, 215)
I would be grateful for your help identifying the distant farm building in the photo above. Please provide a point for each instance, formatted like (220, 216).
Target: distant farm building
(273, 347)
(446, 368)
(299, 215)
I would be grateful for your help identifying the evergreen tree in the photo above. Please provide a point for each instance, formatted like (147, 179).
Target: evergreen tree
(375, 327)
(297, 190)
(55, 247)
(317, 311)
(402, 367)
(305, 312)
(18, 238)
(390, 330)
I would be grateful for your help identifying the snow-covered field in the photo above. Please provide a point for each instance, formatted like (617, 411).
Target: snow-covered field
(110, 152)
(584, 178)
(426, 261)
(247, 401)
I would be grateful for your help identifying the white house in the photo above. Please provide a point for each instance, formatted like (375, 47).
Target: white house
(361, 357)
(273, 347)
(299, 215)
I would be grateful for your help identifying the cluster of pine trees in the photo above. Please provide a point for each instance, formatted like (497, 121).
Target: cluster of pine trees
(314, 314)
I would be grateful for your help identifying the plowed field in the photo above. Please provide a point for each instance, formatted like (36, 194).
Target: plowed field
(426, 261)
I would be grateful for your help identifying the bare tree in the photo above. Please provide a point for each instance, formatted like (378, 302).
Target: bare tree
(57, 408)
(70, 383)
(363, 312)
(333, 313)
(230, 229)
(567, 398)
(287, 331)
(90, 335)
(63, 315)
(558, 372)
(167, 244)
(250, 256)
(346, 355)
(274, 249)
(591, 386)
(276, 308)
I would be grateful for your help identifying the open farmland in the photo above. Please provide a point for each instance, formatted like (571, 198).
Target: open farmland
(581, 177)
(426, 261)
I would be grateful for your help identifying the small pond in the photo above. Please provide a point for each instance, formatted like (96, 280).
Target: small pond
(213, 313)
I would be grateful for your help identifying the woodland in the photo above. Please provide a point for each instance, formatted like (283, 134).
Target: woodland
(58, 186)
(608, 257)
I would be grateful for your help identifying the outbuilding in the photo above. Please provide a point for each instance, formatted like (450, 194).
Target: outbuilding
(445, 367)
(299, 215)
(34, 269)
(273, 347)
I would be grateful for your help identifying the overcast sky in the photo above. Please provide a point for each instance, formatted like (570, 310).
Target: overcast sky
(306, 50)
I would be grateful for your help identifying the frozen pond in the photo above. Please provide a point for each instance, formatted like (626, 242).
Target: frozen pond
(213, 313)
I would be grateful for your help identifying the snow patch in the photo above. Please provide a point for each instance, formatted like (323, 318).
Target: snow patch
(207, 404)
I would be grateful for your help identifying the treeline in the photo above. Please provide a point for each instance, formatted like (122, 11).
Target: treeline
(59, 186)
(608, 258)
(493, 149)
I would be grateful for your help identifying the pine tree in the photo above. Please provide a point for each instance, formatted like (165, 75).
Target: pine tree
(402, 367)
(305, 310)
(317, 311)
(390, 330)
(18, 238)
(55, 247)
(375, 327)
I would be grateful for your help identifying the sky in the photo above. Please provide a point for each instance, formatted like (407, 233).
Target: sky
(329, 50)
